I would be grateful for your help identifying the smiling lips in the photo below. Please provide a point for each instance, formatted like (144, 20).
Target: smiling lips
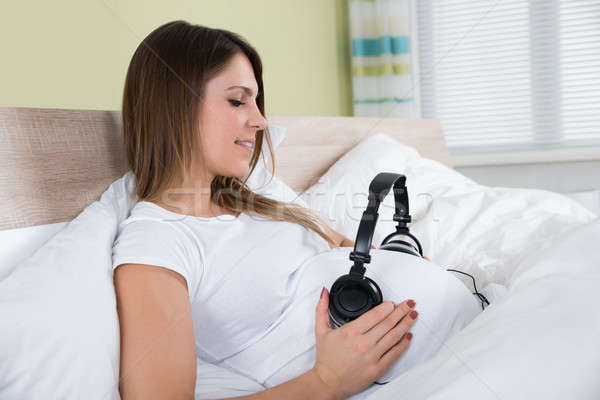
(247, 145)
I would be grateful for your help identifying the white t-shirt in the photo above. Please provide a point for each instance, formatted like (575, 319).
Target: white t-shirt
(254, 284)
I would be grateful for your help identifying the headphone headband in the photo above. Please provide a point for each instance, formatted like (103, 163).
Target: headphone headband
(378, 190)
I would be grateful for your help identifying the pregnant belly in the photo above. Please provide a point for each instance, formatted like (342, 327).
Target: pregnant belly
(287, 350)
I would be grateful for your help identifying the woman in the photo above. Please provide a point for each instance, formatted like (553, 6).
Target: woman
(202, 265)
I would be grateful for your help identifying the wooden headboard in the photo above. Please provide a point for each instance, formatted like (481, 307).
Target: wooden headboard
(55, 162)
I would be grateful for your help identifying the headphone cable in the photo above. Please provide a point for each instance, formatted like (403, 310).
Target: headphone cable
(481, 296)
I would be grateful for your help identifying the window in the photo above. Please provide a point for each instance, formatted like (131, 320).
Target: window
(510, 75)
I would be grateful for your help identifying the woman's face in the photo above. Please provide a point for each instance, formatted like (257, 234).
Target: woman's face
(227, 114)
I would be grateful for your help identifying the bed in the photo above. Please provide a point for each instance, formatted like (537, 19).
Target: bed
(59, 327)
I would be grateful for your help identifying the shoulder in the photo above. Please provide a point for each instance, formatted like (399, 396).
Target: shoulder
(156, 242)
(150, 220)
(150, 234)
(154, 237)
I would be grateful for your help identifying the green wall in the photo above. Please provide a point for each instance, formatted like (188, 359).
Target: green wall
(75, 53)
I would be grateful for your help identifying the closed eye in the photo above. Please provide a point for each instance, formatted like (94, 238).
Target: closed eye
(236, 103)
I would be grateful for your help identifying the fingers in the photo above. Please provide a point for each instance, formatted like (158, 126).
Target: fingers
(380, 330)
(371, 318)
(322, 324)
(392, 354)
(398, 332)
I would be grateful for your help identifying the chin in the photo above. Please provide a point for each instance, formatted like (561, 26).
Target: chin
(241, 173)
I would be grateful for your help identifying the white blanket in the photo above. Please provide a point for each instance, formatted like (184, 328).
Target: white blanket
(540, 341)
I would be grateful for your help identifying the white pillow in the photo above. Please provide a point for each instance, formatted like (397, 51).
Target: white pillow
(340, 196)
(59, 328)
(20, 243)
(484, 231)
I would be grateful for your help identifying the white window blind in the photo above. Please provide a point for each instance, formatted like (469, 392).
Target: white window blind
(511, 75)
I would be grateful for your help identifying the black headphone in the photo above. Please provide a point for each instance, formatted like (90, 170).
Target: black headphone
(354, 294)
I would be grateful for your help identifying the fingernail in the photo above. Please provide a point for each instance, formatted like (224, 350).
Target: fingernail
(409, 335)
(323, 293)
(413, 314)
(411, 303)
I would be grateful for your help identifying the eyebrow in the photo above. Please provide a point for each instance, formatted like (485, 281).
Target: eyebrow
(246, 89)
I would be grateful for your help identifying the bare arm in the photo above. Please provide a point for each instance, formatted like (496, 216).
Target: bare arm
(158, 353)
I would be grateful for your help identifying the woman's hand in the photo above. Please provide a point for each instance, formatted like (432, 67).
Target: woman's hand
(352, 357)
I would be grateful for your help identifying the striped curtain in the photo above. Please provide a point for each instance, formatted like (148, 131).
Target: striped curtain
(382, 79)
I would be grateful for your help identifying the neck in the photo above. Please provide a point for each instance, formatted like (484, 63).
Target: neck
(191, 197)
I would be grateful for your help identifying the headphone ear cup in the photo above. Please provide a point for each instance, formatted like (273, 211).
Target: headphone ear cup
(401, 246)
(350, 297)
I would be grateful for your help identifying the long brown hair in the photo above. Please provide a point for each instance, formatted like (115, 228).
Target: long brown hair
(165, 82)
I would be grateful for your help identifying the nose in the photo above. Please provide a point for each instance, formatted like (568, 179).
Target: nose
(259, 122)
